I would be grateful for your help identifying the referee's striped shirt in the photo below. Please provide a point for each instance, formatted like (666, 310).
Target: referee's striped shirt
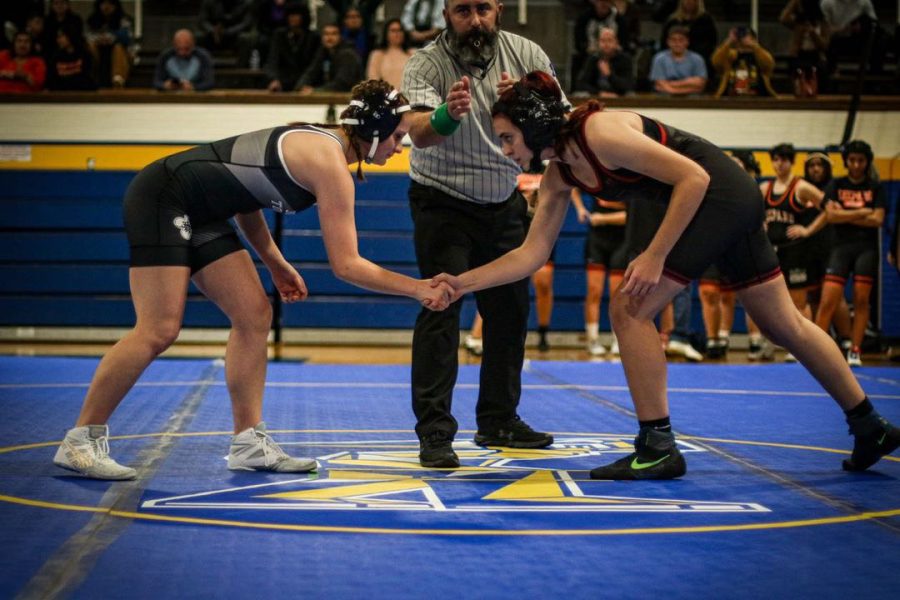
(469, 164)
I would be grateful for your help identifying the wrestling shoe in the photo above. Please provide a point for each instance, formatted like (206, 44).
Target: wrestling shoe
(754, 352)
(543, 345)
(85, 450)
(436, 451)
(853, 358)
(867, 449)
(474, 346)
(614, 349)
(634, 466)
(714, 350)
(514, 434)
(253, 450)
(595, 348)
(679, 348)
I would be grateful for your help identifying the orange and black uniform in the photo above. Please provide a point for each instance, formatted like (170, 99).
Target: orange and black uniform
(727, 229)
(855, 248)
(782, 211)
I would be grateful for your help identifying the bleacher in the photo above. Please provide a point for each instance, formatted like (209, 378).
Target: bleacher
(162, 18)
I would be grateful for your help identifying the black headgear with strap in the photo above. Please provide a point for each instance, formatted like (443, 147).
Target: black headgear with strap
(539, 117)
(375, 117)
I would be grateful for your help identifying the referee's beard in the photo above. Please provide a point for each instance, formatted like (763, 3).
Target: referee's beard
(475, 47)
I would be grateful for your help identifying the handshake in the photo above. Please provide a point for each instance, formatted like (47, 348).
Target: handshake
(439, 292)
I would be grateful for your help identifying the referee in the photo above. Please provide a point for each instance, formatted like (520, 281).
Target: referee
(466, 212)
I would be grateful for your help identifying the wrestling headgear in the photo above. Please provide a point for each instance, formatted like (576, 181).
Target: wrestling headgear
(539, 117)
(375, 117)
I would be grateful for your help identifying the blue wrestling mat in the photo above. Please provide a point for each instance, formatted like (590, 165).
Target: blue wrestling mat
(764, 511)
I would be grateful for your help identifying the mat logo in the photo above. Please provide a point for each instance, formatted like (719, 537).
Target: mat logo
(384, 475)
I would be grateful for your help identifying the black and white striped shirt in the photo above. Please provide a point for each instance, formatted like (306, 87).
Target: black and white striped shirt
(468, 164)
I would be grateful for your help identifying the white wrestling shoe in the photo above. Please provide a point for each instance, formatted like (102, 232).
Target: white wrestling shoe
(253, 450)
(677, 348)
(85, 450)
(595, 348)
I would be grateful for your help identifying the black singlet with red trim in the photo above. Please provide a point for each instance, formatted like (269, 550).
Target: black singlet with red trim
(727, 229)
(784, 210)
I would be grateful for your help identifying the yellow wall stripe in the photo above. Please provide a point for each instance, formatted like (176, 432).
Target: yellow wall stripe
(134, 157)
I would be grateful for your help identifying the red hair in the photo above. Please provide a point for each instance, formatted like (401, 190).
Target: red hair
(573, 125)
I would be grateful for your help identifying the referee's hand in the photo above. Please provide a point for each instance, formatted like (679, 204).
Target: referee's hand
(506, 82)
(459, 100)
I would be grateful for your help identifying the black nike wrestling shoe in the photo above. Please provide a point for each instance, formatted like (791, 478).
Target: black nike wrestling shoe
(671, 465)
(869, 448)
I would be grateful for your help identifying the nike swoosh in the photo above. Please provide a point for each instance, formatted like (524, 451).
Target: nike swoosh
(636, 465)
(883, 437)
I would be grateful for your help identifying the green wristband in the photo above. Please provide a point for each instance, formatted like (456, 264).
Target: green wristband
(442, 122)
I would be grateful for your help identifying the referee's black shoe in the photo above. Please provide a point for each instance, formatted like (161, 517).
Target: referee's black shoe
(868, 449)
(670, 465)
(513, 434)
(436, 451)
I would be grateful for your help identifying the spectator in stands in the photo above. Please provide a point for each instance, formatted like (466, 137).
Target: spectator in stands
(268, 17)
(423, 19)
(360, 38)
(848, 25)
(72, 65)
(366, 10)
(34, 26)
(222, 23)
(387, 61)
(335, 68)
(13, 16)
(21, 70)
(601, 14)
(184, 66)
(701, 28)
(630, 34)
(609, 72)
(60, 14)
(292, 49)
(109, 37)
(678, 71)
(744, 66)
(808, 42)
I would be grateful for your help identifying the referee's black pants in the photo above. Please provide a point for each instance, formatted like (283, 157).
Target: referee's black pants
(453, 236)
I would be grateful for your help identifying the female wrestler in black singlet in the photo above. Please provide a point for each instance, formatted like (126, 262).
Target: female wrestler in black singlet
(690, 205)
(176, 218)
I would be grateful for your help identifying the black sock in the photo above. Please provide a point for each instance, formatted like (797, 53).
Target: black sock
(864, 420)
(655, 438)
(860, 410)
(542, 331)
(663, 424)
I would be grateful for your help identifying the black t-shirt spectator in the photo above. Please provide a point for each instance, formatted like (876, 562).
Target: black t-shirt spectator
(849, 195)
(335, 70)
(71, 70)
(620, 80)
(290, 54)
